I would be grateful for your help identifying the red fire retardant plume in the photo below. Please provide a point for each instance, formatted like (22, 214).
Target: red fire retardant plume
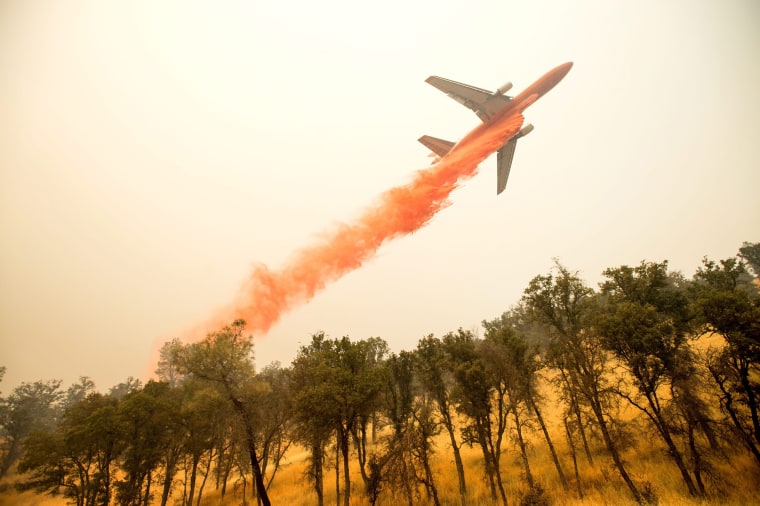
(268, 294)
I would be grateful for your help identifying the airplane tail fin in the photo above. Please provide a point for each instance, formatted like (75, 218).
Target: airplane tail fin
(438, 146)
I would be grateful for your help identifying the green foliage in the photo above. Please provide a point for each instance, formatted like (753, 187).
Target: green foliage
(563, 303)
(559, 300)
(45, 459)
(167, 368)
(644, 321)
(434, 375)
(405, 461)
(224, 359)
(726, 302)
(149, 420)
(29, 407)
(77, 392)
(750, 253)
(75, 459)
(338, 385)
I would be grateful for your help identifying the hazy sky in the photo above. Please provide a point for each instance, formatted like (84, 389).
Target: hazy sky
(151, 153)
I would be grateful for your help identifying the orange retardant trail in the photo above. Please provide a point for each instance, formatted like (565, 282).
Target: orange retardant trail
(268, 294)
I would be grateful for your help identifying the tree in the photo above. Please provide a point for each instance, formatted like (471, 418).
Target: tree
(167, 369)
(150, 419)
(513, 363)
(77, 392)
(29, 407)
(405, 462)
(225, 359)
(125, 387)
(341, 383)
(202, 409)
(366, 360)
(644, 322)
(77, 456)
(564, 304)
(313, 414)
(94, 424)
(726, 302)
(272, 414)
(473, 394)
(52, 471)
(750, 253)
(434, 376)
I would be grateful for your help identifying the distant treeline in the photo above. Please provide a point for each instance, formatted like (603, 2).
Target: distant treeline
(638, 339)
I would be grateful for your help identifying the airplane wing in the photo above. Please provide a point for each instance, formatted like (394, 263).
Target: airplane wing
(483, 102)
(438, 146)
(503, 163)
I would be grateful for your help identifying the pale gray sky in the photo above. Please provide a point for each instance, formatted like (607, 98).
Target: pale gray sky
(152, 152)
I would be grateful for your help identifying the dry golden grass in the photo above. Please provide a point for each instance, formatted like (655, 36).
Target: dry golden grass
(9, 496)
(28, 499)
(739, 484)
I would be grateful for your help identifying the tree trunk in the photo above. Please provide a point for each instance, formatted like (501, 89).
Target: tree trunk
(317, 461)
(106, 469)
(429, 479)
(577, 411)
(549, 443)
(193, 475)
(167, 484)
(337, 470)
(696, 460)
(360, 442)
(344, 436)
(258, 478)
(523, 448)
(457, 456)
(499, 482)
(751, 401)
(205, 476)
(488, 464)
(612, 449)
(728, 405)
(81, 490)
(408, 482)
(226, 475)
(662, 428)
(575, 459)
(146, 499)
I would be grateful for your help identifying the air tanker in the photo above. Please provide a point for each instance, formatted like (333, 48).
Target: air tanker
(492, 107)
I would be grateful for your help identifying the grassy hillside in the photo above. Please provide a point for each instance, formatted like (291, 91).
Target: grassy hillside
(600, 484)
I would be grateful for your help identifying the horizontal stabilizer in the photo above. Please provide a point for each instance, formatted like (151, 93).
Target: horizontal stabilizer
(438, 146)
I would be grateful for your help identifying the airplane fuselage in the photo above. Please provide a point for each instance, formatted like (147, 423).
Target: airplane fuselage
(519, 103)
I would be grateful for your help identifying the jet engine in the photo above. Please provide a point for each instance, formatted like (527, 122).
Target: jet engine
(501, 90)
(525, 130)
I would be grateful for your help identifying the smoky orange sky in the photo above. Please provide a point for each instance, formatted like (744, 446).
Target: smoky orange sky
(153, 154)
